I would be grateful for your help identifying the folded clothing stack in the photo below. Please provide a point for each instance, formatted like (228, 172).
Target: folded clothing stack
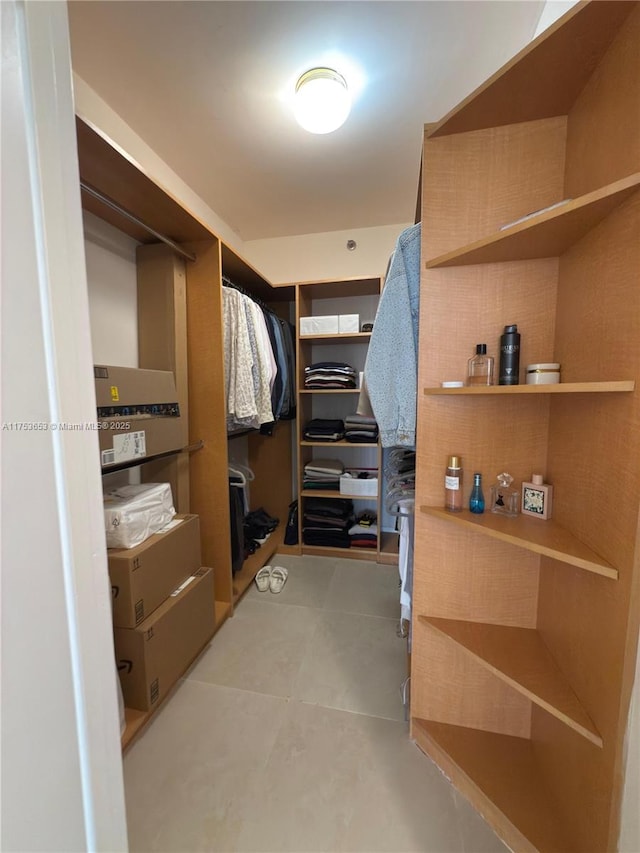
(324, 429)
(361, 429)
(364, 533)
(329, 374)
(326, 522)
(323, 474)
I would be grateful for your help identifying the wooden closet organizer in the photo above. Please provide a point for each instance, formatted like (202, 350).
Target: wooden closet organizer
(180, 329)
(314, 299)
(525, 632)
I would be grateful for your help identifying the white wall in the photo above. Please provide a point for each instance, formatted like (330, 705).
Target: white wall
(111, 280)
(553, 9)
(314, 257)
(62, 785)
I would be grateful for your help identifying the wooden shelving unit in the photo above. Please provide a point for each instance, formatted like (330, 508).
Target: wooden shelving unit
(317, 298)
(525, 631)
(180, 329)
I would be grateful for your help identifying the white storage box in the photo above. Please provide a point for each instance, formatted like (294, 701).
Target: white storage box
(359, 487)
(348, 323)
(133, 513)
(327, 325)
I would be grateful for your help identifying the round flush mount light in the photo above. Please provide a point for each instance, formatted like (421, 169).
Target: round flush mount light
(322, 100)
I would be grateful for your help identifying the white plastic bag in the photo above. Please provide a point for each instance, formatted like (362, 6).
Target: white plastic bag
(133, 513)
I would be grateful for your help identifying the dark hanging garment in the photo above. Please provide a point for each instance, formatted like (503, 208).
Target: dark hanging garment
(289, 409)
(236, 509)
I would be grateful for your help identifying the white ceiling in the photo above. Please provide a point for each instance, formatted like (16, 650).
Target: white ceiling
(206, 83)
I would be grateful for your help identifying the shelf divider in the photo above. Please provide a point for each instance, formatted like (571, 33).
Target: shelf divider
(519, 657)
(541, 537)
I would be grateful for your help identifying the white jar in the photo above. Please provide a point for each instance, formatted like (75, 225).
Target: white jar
(547, 373)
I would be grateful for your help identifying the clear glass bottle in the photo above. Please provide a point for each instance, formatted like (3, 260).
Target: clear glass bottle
(505, 499)
(480, 367)
(453, 485)
(476, 500)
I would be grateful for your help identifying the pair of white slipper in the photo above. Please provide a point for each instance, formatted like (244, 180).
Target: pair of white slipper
(271, 578)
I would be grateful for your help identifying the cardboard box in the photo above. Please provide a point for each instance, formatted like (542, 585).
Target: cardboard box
(153, 656)
(144, 576)
(360, 488)
(138, 414)
(327, 325)
(348, 323)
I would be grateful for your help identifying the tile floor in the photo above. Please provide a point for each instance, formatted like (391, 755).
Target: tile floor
(288, 733)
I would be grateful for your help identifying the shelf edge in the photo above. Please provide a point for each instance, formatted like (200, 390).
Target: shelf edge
(600, 568)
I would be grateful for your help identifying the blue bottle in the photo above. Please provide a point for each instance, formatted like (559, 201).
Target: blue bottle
(476, 501)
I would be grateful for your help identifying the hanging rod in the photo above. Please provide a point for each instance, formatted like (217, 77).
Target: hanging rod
(109, 202)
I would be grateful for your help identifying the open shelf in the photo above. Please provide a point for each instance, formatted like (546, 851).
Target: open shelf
(389, 549)
(369, 554)
(501, 777)
(545, 235)
(327, 493)
(541, 537)
(329, 390)
(519, 657)
(341, 443)
(336, 339)
(243, 579)
(561, 388)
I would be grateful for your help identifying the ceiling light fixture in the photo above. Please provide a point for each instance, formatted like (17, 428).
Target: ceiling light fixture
(322, 101)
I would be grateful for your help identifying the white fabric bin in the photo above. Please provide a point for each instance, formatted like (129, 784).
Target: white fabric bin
(327, 325)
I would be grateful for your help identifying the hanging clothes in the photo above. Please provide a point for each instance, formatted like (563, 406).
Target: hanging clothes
(259, 363)
(391, 368)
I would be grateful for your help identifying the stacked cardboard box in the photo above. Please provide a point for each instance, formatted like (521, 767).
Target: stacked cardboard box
(163, 610)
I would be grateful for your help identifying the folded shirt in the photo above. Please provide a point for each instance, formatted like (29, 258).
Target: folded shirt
(324, 468)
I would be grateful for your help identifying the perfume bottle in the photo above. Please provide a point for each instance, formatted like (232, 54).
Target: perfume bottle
(510, 356)
(453, 485)
(504, 498)
(480, 367)
(476, 500)
(537, 497)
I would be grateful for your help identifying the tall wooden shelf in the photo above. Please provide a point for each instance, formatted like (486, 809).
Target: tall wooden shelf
(317, 298)
(525, 644)
(180, 329)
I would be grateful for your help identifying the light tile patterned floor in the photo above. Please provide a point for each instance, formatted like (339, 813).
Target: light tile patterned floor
(288, 733)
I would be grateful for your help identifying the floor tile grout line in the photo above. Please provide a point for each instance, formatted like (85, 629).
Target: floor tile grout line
(291, 699)
(325, 609)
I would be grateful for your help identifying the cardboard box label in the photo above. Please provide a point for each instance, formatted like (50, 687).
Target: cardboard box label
(130, 445)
